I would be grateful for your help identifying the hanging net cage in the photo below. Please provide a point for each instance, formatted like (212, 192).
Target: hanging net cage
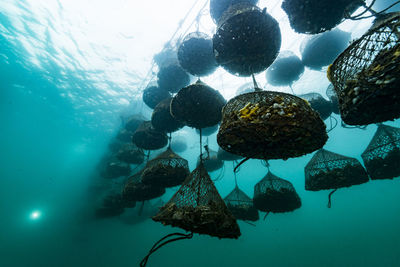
(319, 104)
(112, 206)
(328, 170)
(270, 125)
(247, 40)
(166, 170)
(114, 168)
(382, 156)
(366, 76)
(286, 69)
(198, 105)
(172, 77)
(218, 7)
(146, 137)
(316, 16)
(153, 95)
(133, 122)
(135, 190)
(162, 120)
(130, 153)
(198, 207)
(241, 205)
(276, 195)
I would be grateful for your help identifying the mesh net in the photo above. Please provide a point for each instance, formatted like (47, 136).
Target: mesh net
(366, 76)
(162, 120)
(218, 7)
(172, 77)
(285, 70)
(331, 94)
(241, 205)
(247, 40)
(270, 125)
(318, 103)
(166, 170)
(198, 105)
(133, 122)
(146, 137)
(196, 54)
(382, 156)
(328, 170)
(315, 16)
(274, 194)
(153, 95)
(198, 207)
(135, 190)
(114, 168)
(130, 153)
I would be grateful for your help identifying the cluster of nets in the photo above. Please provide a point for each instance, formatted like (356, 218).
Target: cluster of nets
(270, 125)
(247, 40)
(130, 153)
(135, 190)
(146, 137)
(276, 195)
(328, 170)
(166, 170)
(366, 76)
(318, 103)
(198, 207)
(382, 156)
(162, 120)
(286, 69)
(241, 205)
(124, 135)
(153, 95)
(133, 122)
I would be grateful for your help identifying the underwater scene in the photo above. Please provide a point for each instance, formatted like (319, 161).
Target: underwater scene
(199, 133)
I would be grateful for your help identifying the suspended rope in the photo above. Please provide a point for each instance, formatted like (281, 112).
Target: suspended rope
(367, 8)
(291, 89)
(376, 14)
(237, 166)
(256, 88)
(201, 147)
(330, 122)
(329, 198)
(266, 214)
(344, 125)
(169, 140)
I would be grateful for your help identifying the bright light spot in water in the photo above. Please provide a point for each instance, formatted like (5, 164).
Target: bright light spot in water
(35, 215)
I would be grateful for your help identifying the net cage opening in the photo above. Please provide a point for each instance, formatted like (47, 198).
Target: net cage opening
(270, 125)
(196, 56)
(276, 195)
(329, 170)
(218, 7)
(382, 156)
(366, 76)
(319, 104)
(247, 40)
(166, 170)
(241, 205)
(135, 190)
(172, 77)
(146, 137)
(161, 118)
(153, 95)
(316, 16)
(198, 207)
(130, 153)
(198, 105)
(286, 69)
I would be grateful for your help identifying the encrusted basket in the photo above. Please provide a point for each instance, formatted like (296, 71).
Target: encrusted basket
(241, 205)
(153, 95)
(162, 120)
(146, 137)
(135, 190)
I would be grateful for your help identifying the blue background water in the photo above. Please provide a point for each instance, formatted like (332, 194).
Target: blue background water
(55, 124)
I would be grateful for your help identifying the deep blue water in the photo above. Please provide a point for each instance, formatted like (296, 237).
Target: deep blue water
(57, 116)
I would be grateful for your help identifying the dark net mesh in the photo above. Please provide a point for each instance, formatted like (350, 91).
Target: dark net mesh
(166, 170)
(270, 125)
(133, 122)
(198, 105)
(198, 207)
(153, 95)
(135, 190)
(331, 94)
(172, 77)
(226, 156)
(286, 69)
(274, 194)
(114, 168)
(211, 161)
(318, 103)
(241, 205)
(162, 120)
(146, 137)
(218, 7)
(315, 16)
(130, 153)
(247, 40)
(196, 54)
(382, 156)
(328, 170)
(366, 76)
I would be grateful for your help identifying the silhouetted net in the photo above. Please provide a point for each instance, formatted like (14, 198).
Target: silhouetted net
(241, 205)
(130, 153)
(162, 120)
(135, 190)
(146, 137)
(153, 95)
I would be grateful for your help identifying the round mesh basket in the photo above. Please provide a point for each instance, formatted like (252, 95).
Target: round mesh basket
(286, 69)
(124, 135)
(114, 168)
(328, 170)
(130, 153)
(146, 137)
(166, 170)
(270, 125)
(331, 94)
(196, 54)
(322, 49)
(165, 57)
(153, 95)
(319, 104)
(316, 16)
(135, 190)
(366, 76)
(198, 207)
(382, 156)
(162, 120)
(226, 156)
(198, 105)
(247, 40)
(133, 122)
(276, 195)
(172, 77)
(211, 161)
(241, 205)
(218, 7)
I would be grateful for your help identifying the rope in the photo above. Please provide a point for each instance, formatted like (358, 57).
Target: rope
(201, 147)
(367, 8)
(330, 121)
(376, 14)
(291, 88)
(237, 166)
(256, 88)
(266, 214)
(329, 198)
(169, 140)
(158, 245)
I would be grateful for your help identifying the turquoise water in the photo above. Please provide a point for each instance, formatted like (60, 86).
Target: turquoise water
(58, 112)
